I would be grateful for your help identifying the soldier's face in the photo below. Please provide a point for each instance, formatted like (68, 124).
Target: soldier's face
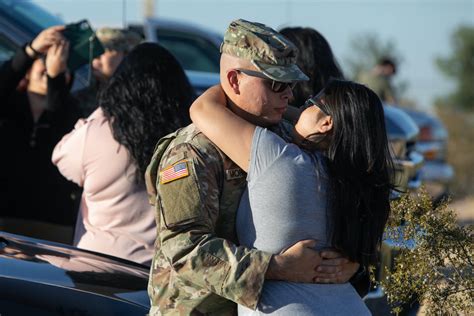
(258, 99)
(105, 65)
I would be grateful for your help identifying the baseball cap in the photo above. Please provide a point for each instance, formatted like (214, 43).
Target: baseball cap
(269, 51)
(118, 39)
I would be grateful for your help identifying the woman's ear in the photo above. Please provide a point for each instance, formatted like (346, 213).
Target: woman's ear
(233, 80)
(326, 125)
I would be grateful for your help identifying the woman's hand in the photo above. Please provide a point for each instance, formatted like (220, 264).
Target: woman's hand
(335, 268)
(56, 59)
(45, 40)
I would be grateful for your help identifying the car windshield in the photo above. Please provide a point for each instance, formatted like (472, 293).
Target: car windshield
(31, 16)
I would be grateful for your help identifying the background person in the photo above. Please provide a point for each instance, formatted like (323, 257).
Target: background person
(36, 111)
(315, 58)
(117, 44)
(333, 188)
(379, 79)
(107, 154)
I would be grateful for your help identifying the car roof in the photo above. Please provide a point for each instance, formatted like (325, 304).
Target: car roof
(40, 262)
(399, 124)
(186, 27)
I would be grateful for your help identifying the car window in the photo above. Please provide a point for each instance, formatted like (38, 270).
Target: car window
(29, 15)
(192, 51)
(7, 49)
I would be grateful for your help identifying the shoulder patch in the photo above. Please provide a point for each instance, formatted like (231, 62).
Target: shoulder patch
(175, 171)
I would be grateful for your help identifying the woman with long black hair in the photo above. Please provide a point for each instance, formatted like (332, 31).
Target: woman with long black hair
(332, 184)
(107, 154)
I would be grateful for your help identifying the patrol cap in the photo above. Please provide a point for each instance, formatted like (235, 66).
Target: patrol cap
(269, 51)
(118, 39)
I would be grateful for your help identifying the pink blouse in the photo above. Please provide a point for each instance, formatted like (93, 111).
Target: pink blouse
(114, 215)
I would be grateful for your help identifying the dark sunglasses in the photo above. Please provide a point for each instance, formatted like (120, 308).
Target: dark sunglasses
(314, 101)
(275, 86)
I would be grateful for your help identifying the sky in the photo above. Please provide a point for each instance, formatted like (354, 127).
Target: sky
(420, 29)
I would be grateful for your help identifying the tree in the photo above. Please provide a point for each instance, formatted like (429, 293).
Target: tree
(366, 50)
(435, 259)
(460, 67)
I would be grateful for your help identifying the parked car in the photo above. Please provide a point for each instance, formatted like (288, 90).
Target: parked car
(38, 277)
(402, 134)
(195, 47)
(20, 22)
(436, 174)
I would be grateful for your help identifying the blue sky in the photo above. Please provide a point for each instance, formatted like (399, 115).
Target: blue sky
(421, 29)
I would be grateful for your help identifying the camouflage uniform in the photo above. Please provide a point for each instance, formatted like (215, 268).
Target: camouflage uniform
(112, 39)
(198, 269)
(379, 84)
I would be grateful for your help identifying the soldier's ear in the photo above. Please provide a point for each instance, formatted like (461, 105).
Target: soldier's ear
(233, 80)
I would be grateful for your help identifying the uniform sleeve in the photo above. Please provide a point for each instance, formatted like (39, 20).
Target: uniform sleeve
(68, 153)
(266, 148)
(188, 210)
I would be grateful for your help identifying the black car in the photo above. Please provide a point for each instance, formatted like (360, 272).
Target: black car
(45, 278)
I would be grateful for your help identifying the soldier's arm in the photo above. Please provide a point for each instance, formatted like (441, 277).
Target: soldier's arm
(188, 212)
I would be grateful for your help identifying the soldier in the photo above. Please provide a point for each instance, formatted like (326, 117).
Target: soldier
(198, 268)
(117, 43)
(379, 79)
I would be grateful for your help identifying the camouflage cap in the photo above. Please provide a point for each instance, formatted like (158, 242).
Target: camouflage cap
(269, 51)
(118, 39)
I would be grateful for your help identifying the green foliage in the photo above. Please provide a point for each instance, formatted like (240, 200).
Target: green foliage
(435, 260)
(460, 67)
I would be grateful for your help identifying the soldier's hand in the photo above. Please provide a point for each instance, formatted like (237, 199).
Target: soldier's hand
(335, 268)
(296, 264)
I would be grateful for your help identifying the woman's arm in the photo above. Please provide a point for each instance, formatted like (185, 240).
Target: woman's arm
(232, 134)
(68, 153)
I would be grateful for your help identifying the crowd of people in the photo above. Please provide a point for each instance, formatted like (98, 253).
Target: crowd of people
(271, 207)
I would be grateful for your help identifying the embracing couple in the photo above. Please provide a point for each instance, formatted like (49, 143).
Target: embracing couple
(250, 210)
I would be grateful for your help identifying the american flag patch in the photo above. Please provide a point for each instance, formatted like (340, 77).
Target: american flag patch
(175, 171)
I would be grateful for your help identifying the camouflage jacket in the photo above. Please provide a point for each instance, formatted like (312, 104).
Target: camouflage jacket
(198, 267)
(381, 85)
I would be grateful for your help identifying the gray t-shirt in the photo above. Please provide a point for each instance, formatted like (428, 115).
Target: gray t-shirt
(285, 202)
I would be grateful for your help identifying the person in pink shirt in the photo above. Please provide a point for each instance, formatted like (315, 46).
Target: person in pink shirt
(107, 154)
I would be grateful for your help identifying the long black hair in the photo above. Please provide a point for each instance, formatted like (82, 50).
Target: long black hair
(315, 58)
(147, 97)
(359, 169)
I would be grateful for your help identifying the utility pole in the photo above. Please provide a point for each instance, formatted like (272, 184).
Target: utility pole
(148, 8)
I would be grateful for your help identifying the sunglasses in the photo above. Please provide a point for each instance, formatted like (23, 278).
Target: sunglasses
(275, 86)
(314, 101)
